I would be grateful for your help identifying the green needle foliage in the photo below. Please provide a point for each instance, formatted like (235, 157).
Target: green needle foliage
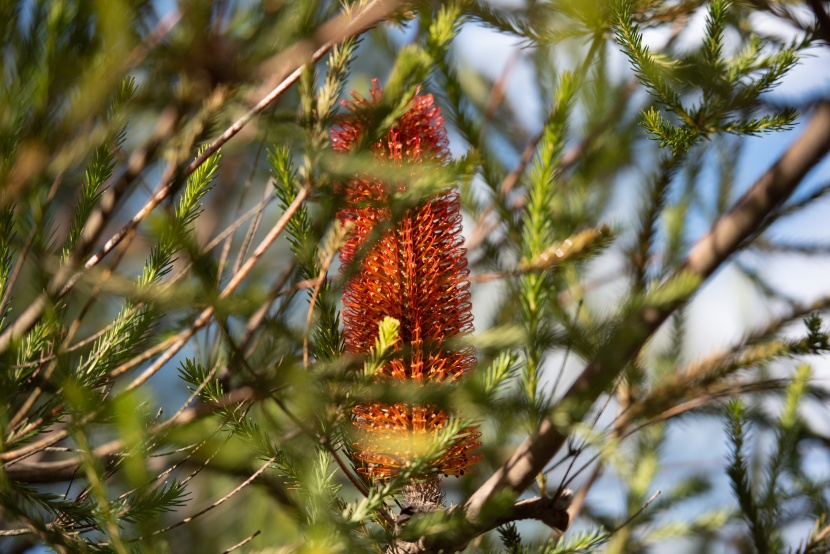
(172, 374)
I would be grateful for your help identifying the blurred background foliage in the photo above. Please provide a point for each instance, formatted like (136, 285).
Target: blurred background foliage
(171, 376)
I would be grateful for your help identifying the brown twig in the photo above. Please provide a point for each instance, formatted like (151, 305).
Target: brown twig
(217, 503)
(550, 510)
(820, 536)
(496, 96)
(249, 236)
(634, 516)
(170, 180)
(578, 502)
(242, 542)
(484, 226)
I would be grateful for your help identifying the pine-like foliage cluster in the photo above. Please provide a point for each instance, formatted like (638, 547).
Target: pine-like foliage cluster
(173, 374)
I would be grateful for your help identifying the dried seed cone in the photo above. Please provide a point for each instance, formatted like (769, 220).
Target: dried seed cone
(415, 272)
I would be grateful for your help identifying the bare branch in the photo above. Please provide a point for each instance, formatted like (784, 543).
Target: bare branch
(634, 516)
(241, 543)
(238, 488)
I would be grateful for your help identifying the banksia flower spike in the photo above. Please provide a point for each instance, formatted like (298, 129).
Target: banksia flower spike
(415, 272)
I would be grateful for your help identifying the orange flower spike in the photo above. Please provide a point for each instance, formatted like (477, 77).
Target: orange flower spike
(418, 273)
(415, 273)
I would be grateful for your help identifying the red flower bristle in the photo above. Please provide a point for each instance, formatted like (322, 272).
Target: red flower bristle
(393, 435)
(416, 273)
